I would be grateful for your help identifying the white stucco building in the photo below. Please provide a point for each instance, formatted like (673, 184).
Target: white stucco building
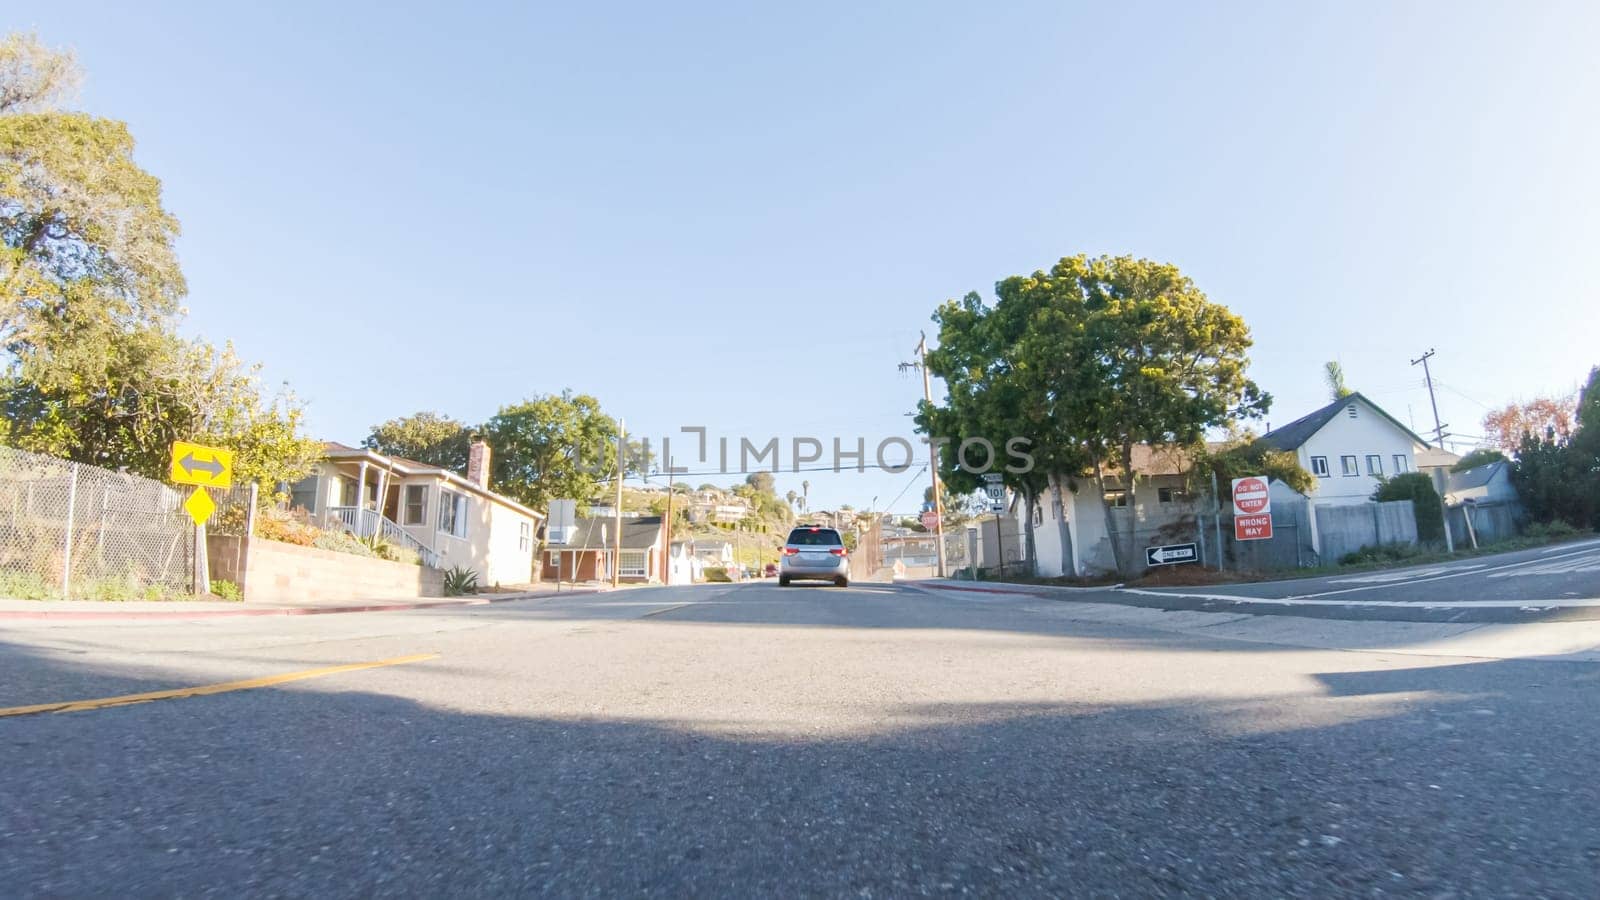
(447, 518)
(1349, 445)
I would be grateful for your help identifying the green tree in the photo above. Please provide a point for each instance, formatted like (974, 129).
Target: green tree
(552, 447)
(1088, 361)
(1479, 457)
(1241, 456)
(1557, 477)
(80, 222)
(1334, 373)
(763, 481)
(426, 437)
(94, 369)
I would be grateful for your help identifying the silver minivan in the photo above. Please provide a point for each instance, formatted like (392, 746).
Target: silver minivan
(814, 553)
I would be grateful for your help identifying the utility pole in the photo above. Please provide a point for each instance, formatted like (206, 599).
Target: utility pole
(616, 513)
(933, 451)
(1438, 427)
(666, 576)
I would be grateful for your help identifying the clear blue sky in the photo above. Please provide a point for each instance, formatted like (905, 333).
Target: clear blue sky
(740, 218)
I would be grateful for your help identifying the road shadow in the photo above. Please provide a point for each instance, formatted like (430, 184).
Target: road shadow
(323, 788)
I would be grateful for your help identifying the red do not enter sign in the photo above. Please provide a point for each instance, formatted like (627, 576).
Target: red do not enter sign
(1250, 496)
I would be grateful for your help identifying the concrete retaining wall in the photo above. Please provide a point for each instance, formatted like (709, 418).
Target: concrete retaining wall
(274, 572)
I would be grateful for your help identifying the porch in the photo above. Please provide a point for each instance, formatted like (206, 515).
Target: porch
(366, 499)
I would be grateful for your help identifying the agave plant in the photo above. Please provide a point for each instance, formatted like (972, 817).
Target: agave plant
(458, 581)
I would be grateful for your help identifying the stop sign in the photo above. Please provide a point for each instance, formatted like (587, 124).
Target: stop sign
(1250, 496)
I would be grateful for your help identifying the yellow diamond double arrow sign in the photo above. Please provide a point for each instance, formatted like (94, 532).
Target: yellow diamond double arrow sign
(204, 467)
(201, 465)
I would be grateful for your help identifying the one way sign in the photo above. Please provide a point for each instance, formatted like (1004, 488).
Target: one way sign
(1171, 554)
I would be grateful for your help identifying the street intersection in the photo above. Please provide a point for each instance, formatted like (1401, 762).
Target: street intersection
(748, 739)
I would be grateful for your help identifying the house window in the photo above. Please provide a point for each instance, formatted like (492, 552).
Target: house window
(1173, 495)
(1401, 464)
(453, 513)
(303, 494)
(524, 536)
(1319, 466)
(416, 512)
(1117, 499)
(1375, 465)
(631, 564)
(1348, 466)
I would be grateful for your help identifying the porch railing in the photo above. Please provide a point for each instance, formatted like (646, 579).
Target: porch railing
(364, 523)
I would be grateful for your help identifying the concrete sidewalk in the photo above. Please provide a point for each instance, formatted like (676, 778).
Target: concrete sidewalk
(102, 610)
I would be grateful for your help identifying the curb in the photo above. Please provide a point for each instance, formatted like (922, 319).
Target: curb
(1021, 590)
(1265, 607)
(82, 615)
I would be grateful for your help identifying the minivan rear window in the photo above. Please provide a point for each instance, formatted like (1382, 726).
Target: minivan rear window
(815, 537)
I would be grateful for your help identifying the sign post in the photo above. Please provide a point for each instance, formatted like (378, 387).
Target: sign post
(996, 491)
(1252, 509)
(203, 467)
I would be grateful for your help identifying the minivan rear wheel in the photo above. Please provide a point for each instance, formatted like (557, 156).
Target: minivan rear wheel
(783, 581)
(841, 581)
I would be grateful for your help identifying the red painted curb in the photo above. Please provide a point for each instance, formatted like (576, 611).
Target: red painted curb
(270, 611)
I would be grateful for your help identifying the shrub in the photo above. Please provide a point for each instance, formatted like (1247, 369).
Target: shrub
(27, 586)
(459, 581)
(343, 542)
(1555, 529)
(276, 525)
(1418, 488)
(226, 590)
(1377, 553)
(1478, 458)
(716, 573)
(108, 589)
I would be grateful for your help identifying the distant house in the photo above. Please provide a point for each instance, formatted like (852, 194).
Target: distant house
(590, 551)
(712, 553)
(1349, 445)
(1481, 504)
(1488, 483)
(447, 518)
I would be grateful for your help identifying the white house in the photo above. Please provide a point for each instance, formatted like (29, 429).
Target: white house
(448, 519)
(1070, 529)
(1349, 445)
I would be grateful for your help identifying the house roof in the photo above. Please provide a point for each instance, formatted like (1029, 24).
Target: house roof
(1292, 435)
(337, 451)
(639, 533)
(1477, 476)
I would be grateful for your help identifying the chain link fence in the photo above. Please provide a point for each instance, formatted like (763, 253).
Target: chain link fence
(74, 531)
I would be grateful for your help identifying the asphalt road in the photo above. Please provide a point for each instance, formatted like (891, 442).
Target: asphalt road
(749, 740)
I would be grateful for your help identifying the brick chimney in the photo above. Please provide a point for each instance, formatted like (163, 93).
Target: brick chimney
(478, 462)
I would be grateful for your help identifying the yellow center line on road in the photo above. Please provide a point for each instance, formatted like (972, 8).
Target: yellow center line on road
(207, 689)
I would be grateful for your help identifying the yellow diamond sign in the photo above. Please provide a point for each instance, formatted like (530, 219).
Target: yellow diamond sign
(199, 506)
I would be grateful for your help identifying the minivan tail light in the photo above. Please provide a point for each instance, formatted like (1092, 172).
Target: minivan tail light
(837, 551)
(790, 551)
